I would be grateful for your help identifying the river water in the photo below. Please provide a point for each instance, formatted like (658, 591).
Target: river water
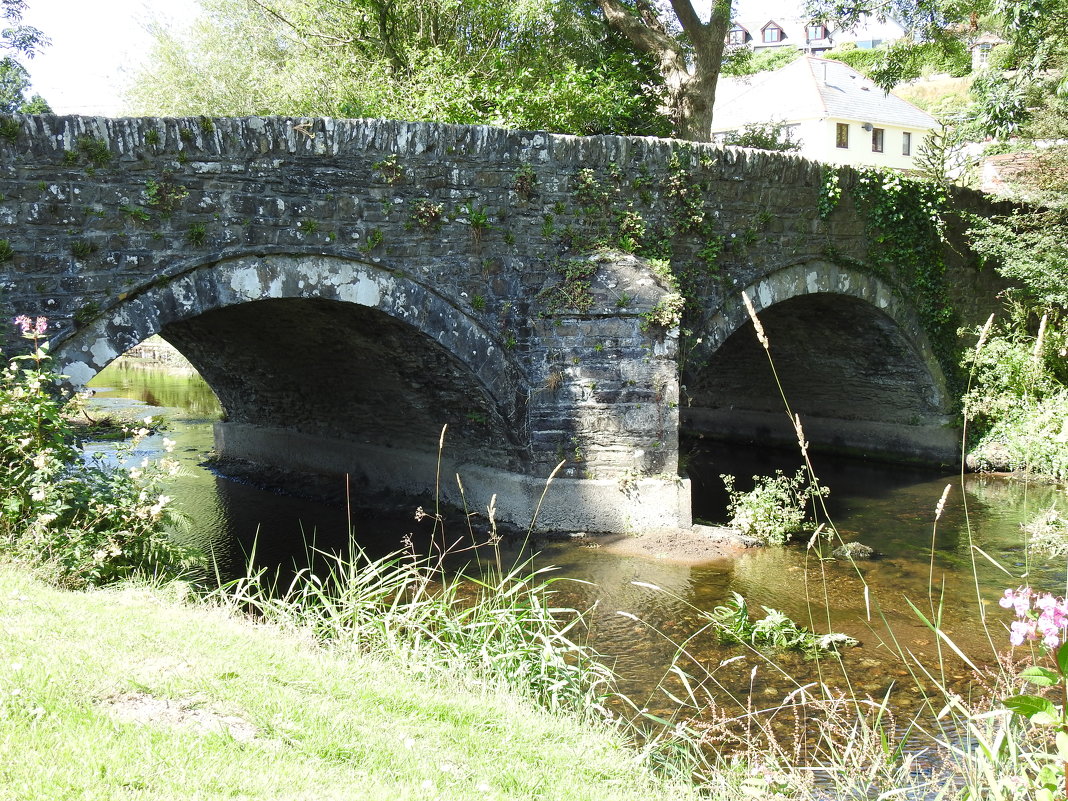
(889, 508)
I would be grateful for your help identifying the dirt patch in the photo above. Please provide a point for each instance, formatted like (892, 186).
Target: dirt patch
(147, 710)
(693, 545)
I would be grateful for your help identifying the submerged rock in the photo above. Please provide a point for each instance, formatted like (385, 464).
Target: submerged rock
(854, 550)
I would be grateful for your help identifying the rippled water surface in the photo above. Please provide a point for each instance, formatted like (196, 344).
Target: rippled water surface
(888, 508)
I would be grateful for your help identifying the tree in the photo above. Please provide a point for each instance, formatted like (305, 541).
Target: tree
(18, 40)
(689, 63)
(529, 64)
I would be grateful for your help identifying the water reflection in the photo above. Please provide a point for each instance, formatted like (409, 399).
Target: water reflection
(889, 508)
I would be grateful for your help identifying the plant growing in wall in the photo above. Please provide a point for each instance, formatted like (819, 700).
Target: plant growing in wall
(197, 234)
(427, 215)
(166, 194)
(389, 170)
(525, 181)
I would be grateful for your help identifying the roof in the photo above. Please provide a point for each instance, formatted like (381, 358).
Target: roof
(791, 16)
(811, 88)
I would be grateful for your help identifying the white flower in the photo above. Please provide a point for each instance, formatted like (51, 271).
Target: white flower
(168, 445)
(37, 494)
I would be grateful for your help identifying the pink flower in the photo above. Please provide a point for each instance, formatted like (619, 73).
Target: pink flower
(31, 327)
(1047, 620)
(1021, 630)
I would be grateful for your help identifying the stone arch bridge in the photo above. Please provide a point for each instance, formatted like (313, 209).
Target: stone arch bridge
(349, 287)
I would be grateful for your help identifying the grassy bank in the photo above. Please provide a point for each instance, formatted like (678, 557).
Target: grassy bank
(135, 693)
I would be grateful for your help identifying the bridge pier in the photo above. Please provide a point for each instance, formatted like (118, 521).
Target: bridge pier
(626, 504)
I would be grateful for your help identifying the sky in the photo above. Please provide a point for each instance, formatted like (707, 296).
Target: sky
(96, 47)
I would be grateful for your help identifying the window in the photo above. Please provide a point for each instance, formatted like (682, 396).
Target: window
(772, 33)
(877, 140)
(906, 144)
(737, 36)
(984, 53)
(816, 32)
(842, 135)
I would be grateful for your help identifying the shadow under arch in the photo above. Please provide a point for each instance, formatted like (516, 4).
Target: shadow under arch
(320, 362)
(853, 360)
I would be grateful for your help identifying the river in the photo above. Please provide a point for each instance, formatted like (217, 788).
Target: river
(887, 507)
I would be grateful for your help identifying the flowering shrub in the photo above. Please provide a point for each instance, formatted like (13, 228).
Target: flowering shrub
(86, 522)
(1039, 616)
(775, 509)
(1043, 617)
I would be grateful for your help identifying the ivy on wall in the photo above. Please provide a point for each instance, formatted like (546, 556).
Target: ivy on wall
(905, 220)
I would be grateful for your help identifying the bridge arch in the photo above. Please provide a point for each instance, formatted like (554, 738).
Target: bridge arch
(853, 359)
(321, 353)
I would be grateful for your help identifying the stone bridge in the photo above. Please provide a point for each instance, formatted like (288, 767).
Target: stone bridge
(347, 288)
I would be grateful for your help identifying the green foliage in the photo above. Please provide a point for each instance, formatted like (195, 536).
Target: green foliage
(96, 151)
(478, 302)
(14, 83)
(830, 194)
(166, 194)
(905, 220)
(86, 313)
(9, 129)
(427, 214)
(1017, 403)
(1047, 533)
(775, 631)
(152, 137)
(764, 136)
(82, 248)
(774, 510)
(863, 60)
(525, 181)
(7, 253)
(745, 62)
(135, 213)
(389, 170)
(196, 235)
(574, 291)
(374, 239)
(666, 314)
(537, 65)
(81, 521)
(1030, 248)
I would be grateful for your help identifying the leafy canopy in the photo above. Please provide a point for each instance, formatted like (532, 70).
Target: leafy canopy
(529, 64)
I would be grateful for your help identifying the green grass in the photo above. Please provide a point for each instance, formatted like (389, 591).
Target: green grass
(243, 710)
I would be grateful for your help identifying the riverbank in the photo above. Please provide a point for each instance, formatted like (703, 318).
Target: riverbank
(138, 692)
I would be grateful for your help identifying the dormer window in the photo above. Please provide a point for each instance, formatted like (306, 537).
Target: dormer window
(816, 31)
(737, 35)
(772, 33)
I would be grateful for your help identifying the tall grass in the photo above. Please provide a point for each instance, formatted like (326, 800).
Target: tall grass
(827, 740)
(492, 622)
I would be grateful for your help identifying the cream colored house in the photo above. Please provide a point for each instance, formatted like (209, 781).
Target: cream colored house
(838, 115)
(767, 24)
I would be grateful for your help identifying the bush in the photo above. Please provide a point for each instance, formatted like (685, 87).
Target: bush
(1002, 57)
(774, 510)
(84, 522)
(764, 136)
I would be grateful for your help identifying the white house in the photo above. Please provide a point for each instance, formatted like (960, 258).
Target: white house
(764, 24)
(838, 115)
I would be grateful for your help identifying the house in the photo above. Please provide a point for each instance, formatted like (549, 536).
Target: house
(980, 49)
(838, 115)
(783, 23)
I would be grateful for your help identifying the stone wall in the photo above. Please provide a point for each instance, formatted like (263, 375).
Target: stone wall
(503, 262)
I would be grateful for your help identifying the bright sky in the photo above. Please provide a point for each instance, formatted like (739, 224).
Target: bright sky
(96, 47)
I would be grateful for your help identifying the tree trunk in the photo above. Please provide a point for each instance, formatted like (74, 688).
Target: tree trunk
(691, 83)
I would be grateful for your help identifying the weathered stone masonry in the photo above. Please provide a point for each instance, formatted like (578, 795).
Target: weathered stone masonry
(348, 287)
